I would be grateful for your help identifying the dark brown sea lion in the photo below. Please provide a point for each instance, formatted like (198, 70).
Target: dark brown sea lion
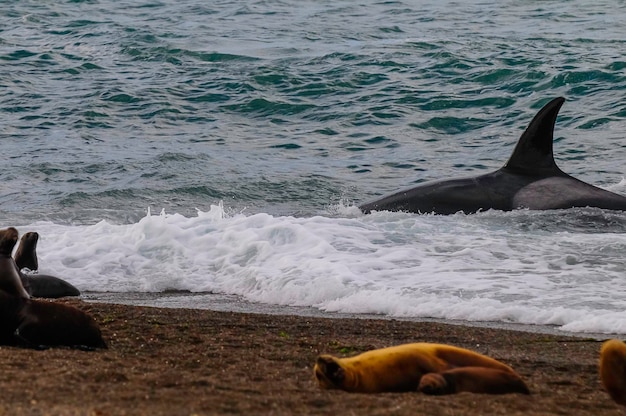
(41, 324)
(38, 323)
(424, 367)
(613, 369)
(26, 253)
(47, 324)
(10, 281)
(39, 285)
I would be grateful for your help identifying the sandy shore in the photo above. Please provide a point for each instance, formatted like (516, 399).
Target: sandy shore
(184, 362)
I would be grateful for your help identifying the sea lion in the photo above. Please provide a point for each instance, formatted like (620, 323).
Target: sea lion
(39, 285)
(26, 253)
(425, 367)
(10, 281)
(46, 324)
(38, 323)
(613, 369)
(41, 324)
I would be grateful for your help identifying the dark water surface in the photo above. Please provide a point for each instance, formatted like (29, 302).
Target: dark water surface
(109, 107)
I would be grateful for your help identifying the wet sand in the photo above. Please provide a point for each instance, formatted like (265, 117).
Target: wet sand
(164, 361)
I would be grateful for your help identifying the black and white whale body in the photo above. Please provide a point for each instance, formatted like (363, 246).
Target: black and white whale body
(530, 179)
(39, 285)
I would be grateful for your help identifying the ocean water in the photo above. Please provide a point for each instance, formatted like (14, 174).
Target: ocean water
(166, 147)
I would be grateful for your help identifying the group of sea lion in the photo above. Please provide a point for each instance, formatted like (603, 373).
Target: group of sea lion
(32, 322)
(439, 369)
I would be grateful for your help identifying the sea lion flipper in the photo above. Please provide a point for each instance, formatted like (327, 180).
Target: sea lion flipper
(47, 324)
(472, 380)
(328, 369)
(437, 384)
(25, 342)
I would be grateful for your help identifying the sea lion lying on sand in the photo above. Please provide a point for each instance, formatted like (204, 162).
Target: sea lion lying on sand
(39, 285)
(38, 323)
(41, 324)
(428, 368)
(613, 369)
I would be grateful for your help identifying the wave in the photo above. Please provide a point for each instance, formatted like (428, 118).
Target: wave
(516, 267)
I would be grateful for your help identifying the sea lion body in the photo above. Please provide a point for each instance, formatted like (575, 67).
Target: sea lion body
(45, 323)
(613, 369)
(46, 286)
(42, 324)
(39, 285)
(404, 367)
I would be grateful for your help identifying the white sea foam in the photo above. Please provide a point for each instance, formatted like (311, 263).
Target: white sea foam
(561, 268)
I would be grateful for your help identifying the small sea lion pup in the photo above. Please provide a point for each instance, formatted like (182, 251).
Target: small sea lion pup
(613, 369)
(428, 368)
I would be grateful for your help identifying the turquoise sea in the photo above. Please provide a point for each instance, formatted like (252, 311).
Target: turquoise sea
(198, 149)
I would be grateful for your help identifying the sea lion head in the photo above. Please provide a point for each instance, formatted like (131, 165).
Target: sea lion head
(8, 239)
(26, 254)
(329, 372)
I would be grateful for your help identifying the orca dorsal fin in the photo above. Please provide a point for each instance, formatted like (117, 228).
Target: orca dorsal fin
(533, 152)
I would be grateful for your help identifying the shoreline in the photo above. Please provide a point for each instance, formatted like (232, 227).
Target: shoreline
(164, 361)
(233, 303)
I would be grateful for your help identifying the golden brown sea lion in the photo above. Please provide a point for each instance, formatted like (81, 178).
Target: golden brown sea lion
(613, 369)
(429, 368)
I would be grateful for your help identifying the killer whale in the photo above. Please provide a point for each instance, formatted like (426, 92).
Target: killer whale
(530, 179)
